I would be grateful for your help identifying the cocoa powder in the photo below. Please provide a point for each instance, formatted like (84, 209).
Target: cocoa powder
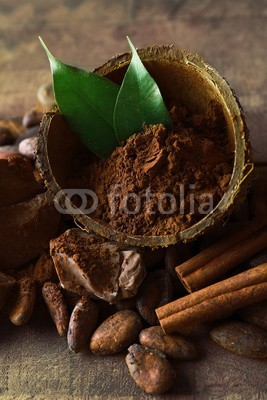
(187, 162)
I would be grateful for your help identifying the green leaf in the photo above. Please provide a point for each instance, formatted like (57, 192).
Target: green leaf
(86, 101)
(139, 101)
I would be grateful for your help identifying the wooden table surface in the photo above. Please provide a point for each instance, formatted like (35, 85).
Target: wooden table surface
(36, 364)
(231, 36)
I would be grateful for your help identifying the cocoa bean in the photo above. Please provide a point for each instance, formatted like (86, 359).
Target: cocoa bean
(126, 304)
(116, 333)
(22, 310)
(28, 147)
(29, 133)
(83, 321)
(155, 291)
(26, 272)
(44, 270)
(174, 346)
(71, 298)
(241, 338)
(255, 314)
(31, 118)
(6, 137)
(7, 283)
(45, 95)
(56, 307)
(150, 369)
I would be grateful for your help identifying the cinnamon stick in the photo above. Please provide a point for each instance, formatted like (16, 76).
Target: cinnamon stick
(215, 301)
(212, 263)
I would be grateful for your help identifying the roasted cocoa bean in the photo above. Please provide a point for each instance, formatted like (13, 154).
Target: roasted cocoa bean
(22, 310)
(28, 147)
(7, 283)
(6, 137)
(116, 333)
(174, 346)
(71, 298)
(56, 306)
(155, 291)
(83, 321)
(255, 314)
(26, 272)
(44, 270)
(126, 304)
(150, 369)
(31, 118)
(241, 338)
(29, 133)
(45, 95)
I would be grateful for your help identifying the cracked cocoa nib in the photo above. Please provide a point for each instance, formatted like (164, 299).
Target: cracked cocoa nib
(103, 268)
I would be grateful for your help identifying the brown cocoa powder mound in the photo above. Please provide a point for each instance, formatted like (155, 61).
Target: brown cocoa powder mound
(157, 161)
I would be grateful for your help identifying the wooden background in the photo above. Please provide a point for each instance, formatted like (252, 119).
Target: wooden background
(232, 36)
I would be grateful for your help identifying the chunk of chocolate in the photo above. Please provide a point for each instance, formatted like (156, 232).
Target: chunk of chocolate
(103, 268)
